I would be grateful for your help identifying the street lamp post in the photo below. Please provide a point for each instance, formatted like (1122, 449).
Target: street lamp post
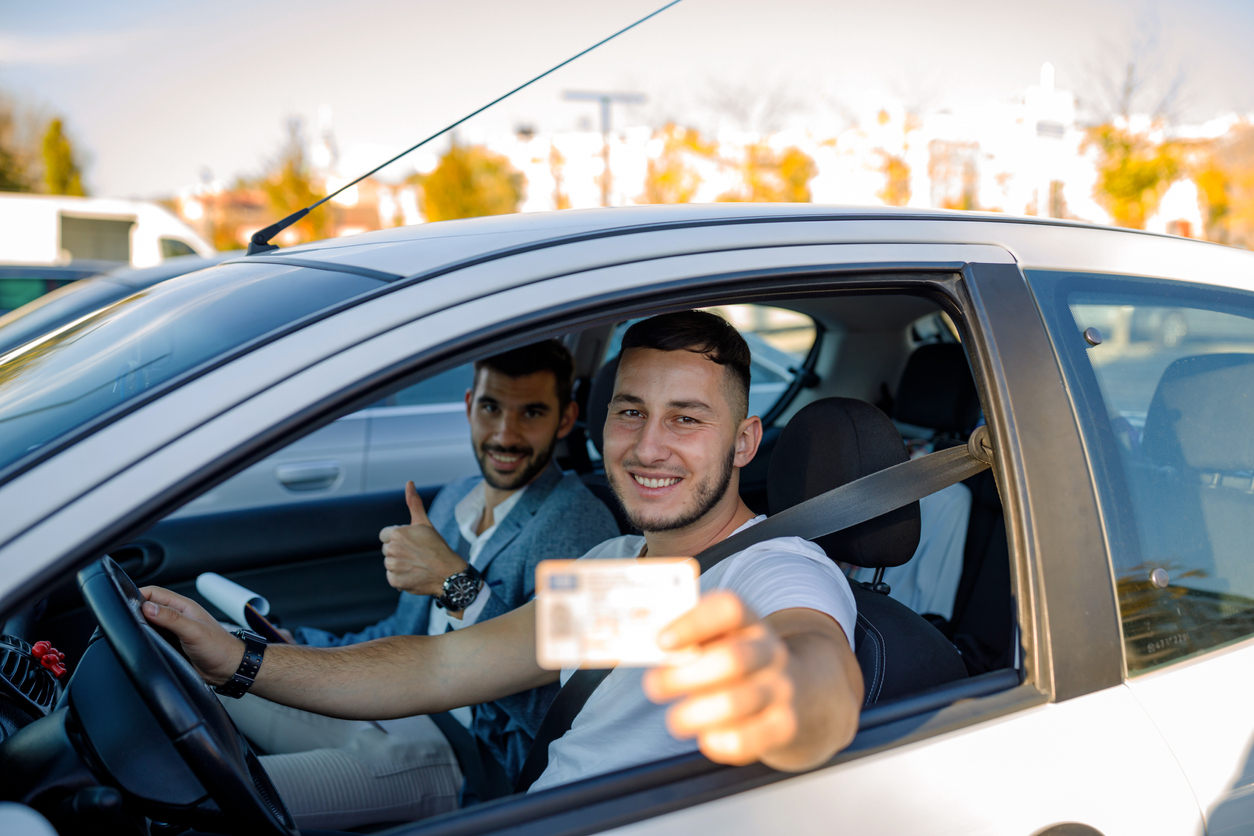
(606, 100)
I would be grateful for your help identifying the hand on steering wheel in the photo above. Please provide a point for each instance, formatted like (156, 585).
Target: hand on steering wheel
(186, 710)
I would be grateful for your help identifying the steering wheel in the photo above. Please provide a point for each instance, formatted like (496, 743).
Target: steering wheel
(184, 707)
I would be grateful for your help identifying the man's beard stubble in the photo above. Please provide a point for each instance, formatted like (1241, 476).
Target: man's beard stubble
(708, 493)
(539, 461)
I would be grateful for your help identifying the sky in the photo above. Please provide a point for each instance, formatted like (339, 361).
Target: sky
(158, 92)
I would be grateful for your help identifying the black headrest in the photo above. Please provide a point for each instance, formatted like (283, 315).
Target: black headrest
(599, 402)
(1201, 414)
(827, 444)
(937, 391)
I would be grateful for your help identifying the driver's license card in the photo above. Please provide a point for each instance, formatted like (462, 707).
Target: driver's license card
(601, 613)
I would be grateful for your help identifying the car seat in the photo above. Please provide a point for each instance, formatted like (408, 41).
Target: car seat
(829, 443)
(937, 392)
(599, 395)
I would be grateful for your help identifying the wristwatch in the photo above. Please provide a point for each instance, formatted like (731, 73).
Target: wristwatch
(460, 590)
(246, 674)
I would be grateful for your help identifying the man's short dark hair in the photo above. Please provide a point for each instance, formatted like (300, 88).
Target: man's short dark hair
(546, 356)
(700, 332)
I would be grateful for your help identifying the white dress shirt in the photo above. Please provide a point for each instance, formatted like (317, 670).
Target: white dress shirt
(468, 514)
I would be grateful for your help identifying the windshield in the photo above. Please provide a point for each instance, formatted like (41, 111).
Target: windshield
(66, 304)
(59, 307)
(75, 375)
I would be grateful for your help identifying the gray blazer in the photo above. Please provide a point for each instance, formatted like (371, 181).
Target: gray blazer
(556, 518)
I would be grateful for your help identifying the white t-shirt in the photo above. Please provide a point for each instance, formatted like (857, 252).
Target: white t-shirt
(618, 726)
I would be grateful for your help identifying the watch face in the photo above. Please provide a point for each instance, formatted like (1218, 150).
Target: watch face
(460, 591)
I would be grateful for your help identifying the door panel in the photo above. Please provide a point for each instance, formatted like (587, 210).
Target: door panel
(325, 463)
(1094, 760)
(318, 562)
(1205, 711)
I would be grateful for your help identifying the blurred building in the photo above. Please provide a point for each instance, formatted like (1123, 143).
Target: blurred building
(1025, 156)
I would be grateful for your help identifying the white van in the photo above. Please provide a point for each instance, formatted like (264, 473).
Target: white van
(52, 230)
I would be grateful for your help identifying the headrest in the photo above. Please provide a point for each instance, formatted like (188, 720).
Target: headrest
(1201, 414)
(937, 390)
(827, 444)
(599, 402)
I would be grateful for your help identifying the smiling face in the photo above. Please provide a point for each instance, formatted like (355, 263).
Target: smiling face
(673, 442)
(514, 423)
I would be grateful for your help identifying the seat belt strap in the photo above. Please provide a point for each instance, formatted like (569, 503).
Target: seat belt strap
(840, 508)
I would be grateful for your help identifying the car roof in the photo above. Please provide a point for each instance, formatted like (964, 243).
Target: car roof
(1041, 243)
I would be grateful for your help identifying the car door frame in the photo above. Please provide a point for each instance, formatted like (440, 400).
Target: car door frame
(991, 305)
(980, 286)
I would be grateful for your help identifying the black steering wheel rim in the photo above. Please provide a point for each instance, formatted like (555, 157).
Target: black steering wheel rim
(186, 710)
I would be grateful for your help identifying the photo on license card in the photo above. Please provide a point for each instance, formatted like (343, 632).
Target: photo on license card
(602, 613)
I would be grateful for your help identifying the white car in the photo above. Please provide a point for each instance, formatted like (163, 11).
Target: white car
(1105, 612)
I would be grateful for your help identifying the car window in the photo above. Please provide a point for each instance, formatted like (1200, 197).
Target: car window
(443, 388)
(78, 373)
(1163, 378)
(173, 248)
(779, 341)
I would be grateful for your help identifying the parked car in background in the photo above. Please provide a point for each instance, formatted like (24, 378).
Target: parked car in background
(21, 284)
(1106, 559)
(76, 298)
(84, 236)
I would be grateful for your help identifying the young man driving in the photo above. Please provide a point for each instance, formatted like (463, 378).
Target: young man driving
(771, 675)
(471, 559)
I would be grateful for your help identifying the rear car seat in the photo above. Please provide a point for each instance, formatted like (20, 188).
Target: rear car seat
(599, 395)
(829, 443)
(937, 392)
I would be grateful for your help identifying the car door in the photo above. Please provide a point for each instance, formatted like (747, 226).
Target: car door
(1169, 419)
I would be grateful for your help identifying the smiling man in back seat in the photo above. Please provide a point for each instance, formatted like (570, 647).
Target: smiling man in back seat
(769, 674)
(484, 536)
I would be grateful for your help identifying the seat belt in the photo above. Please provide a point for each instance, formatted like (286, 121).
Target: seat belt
(835, 510)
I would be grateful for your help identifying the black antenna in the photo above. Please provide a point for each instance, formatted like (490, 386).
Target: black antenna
(260, 242)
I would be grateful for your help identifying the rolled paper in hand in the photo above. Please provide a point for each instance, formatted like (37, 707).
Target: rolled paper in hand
(230, 597)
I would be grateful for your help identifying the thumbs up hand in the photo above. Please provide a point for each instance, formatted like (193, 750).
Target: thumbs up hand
(415, 556)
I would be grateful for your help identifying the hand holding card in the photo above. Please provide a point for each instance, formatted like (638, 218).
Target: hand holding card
(602, 613)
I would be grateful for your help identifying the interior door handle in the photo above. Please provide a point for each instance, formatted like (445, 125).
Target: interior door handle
(308, 476)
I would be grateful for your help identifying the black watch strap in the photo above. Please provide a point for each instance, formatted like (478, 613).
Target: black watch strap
(254, 648)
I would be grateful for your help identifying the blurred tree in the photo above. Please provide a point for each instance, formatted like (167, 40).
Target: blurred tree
(289, 185)
(1133, 171)
(896, 171)
(15, 162)
(61, 169)
(1224, 172)
(13, 175)
(470, 182)
(670, 177)
(557, 167)
(773, 177)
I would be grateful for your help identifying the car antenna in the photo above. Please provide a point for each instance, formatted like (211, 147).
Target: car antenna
(260, 241)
